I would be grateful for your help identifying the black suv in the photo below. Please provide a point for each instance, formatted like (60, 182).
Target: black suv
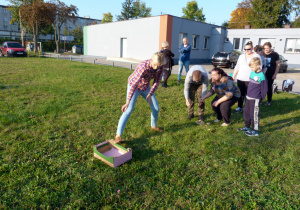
(226, 59)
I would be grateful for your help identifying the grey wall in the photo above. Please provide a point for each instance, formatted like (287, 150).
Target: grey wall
(191, 28)
(142, 38)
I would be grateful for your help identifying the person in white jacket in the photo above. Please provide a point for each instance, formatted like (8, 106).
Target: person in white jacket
(196, 82)
(242, 73)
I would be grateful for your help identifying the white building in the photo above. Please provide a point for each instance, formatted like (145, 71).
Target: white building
(285, 41)
(140, 38)
(12, 31)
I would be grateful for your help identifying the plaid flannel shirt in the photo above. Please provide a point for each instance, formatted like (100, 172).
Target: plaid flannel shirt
(141, 77)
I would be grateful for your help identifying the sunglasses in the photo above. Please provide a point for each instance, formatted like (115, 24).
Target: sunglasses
(247, 49)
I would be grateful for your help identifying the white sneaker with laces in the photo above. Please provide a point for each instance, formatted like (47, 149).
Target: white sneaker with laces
(216, 120)
(225, 124)
(238, 109)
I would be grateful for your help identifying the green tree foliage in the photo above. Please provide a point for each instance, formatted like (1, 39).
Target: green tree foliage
(296, 23)
(63, 15)
(133, 10)
(107, 17)
(78, 34)
(193, 12)
(269, 13)
(37, 15)
(225, 24)
(140, 9)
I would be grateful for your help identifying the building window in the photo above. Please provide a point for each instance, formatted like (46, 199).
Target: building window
(195, 41)
(245, 40)
(4, 10)
(5, 19)
(181, 36)
(236, 43)
(206, 39)
(272, 41)
(5, 27)
(292, 46)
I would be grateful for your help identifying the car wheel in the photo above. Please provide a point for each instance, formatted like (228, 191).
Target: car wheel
(232, 66)
(215, 66)
(285, 69)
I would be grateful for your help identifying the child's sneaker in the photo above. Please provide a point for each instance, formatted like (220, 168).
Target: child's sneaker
(239, 109)
(251, 133)
(216, 120)
(244, 129)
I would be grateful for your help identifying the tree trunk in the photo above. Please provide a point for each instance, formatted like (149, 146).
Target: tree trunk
(58, 39)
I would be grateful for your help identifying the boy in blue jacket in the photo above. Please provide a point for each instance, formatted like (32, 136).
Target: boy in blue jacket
(257, 91)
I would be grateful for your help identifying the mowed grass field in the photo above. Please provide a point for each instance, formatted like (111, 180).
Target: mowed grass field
(52, 113)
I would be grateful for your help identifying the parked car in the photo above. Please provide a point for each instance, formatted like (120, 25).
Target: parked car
(226, 59)
(283, 64)
(12, 49)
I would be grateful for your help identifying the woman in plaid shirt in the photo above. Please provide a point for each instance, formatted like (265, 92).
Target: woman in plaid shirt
(139, 84)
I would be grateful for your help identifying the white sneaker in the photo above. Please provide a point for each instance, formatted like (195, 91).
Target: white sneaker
(238, 109)
(225, 124)
(216, 120)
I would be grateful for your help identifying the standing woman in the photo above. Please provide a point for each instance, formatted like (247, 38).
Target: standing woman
(227, 95)
(242, 72)
(259, 49)
(139, 84)
(168, 62)
(273, 64)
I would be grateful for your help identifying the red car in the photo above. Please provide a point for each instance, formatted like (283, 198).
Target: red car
(13, 49)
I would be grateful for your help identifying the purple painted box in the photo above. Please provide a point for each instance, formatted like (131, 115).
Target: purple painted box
(112, 153)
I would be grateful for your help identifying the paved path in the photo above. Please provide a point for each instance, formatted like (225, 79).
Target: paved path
(132, 63)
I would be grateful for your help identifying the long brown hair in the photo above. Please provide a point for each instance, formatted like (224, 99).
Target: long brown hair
(222, 72)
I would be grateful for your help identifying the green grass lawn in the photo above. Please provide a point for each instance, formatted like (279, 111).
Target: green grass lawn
(53, 111)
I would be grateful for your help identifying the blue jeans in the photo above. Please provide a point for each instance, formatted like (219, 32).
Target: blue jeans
(180, 67)
(125, 116)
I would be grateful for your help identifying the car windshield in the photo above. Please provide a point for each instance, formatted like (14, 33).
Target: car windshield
(14, 45)
(221, 54)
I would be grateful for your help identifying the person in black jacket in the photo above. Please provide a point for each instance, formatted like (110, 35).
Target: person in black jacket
(168, 63)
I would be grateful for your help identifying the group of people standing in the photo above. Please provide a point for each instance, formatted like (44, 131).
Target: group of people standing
(255, 74)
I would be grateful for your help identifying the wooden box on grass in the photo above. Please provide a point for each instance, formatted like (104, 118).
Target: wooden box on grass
(112, 153)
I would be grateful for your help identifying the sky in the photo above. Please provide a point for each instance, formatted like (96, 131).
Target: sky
(215, 11)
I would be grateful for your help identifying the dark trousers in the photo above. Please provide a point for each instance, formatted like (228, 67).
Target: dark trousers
(223, 110)
(196, 89)
(270, 88)
(166, 77)
(251, 113)
(242, 85)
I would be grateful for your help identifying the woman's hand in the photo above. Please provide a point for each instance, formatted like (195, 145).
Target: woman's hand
(149, 99)
(216, 103)
(125, 106)
(187, 102)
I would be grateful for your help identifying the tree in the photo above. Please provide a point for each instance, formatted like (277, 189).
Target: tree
(78, 34)
(269, 13)
(296, 23)
(239, 16)
(193, 12)
(107, 17)
(225, 24)
(36, 15)
(16, 15)
(63, 14)
(140, 9)
(133, 10)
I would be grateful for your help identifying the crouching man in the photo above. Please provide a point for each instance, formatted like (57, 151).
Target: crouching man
(196, 82)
